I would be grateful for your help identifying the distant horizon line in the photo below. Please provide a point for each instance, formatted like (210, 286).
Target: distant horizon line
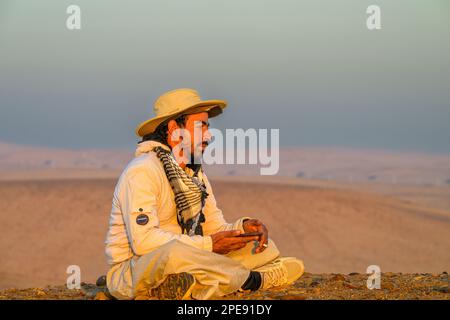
(282, 147)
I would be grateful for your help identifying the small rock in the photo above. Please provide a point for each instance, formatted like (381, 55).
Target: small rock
(315, 283)
(40, 293)
(387, 285)
(443, 289)
(296, 292)
(311, 282)
(379, 295)
(338, 277)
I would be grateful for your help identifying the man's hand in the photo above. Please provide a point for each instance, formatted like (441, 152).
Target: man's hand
(255, 225)
(226, 241)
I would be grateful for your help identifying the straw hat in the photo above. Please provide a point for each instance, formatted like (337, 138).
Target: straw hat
(177, 102)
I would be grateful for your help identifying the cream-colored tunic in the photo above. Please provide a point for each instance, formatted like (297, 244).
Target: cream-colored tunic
(143, 188)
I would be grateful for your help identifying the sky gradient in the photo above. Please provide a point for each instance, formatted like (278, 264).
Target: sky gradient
(310, 68)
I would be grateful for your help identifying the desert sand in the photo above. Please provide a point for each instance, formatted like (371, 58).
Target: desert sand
(48, 225)
(55, 214)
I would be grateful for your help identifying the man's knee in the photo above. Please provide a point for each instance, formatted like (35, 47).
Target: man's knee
(270, 251)
(174, 247)
(250, 259)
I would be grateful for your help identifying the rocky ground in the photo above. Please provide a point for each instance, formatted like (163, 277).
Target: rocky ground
(309, 286)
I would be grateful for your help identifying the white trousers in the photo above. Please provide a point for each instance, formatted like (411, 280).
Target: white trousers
(215, 275)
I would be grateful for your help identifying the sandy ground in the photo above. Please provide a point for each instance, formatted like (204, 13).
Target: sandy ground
(393, 286)
(50, 224)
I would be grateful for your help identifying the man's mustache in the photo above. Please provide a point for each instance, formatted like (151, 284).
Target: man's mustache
(205, 143)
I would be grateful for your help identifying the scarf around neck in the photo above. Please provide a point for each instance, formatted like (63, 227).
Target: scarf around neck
(189, 191)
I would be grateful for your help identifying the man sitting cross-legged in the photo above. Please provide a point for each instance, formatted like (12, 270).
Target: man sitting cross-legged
(167, 239)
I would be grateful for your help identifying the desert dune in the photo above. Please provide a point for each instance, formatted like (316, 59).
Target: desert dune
(50, 224)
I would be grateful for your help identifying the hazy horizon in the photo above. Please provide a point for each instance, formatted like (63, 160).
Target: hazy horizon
(309, 68)
(132, 147)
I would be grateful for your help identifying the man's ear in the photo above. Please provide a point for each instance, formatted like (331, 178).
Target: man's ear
(172, 125)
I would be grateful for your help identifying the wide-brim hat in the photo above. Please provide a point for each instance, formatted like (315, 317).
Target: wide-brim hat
(177, 102)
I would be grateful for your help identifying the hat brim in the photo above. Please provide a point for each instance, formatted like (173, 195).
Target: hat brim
(213, 107)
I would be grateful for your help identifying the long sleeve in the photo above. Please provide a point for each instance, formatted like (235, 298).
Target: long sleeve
(138, 198)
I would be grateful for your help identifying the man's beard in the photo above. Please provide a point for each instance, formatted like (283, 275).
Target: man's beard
(196, 158)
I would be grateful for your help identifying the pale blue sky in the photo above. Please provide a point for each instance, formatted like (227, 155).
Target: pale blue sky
(309, 68)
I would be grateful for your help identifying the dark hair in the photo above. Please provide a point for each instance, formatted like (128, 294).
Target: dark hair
(160, 133)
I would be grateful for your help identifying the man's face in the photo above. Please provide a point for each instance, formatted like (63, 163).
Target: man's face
(198, 124)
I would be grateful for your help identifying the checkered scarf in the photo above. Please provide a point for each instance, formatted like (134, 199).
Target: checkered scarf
(190, 193)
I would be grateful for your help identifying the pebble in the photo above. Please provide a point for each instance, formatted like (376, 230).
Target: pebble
(39, 292)
(387, 285)
(338, 277)
(443, 289)
(296, 292)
